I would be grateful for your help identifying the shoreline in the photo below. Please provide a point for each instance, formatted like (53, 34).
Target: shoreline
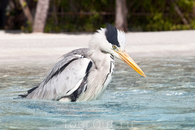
(35, 47)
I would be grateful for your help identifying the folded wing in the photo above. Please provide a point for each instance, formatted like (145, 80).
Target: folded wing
(64, 79)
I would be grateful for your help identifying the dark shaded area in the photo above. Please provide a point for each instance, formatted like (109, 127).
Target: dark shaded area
(3, 5)
(12, 17)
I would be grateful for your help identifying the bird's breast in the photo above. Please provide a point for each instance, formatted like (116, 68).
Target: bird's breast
(98, 79)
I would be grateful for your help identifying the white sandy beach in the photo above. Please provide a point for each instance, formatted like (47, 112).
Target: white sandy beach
(17, 47)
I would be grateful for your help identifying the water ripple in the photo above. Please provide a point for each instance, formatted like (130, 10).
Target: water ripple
(165, 100)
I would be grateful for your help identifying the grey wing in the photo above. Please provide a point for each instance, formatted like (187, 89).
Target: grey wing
(64, 79)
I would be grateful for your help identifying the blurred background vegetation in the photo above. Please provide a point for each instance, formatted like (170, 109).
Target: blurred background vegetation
(89, 15)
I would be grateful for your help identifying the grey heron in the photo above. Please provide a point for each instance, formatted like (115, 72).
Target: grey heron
(84, 74)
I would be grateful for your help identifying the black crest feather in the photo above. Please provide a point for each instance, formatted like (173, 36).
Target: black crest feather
(111, 35)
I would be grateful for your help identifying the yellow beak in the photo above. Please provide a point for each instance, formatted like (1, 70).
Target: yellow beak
(129, 61)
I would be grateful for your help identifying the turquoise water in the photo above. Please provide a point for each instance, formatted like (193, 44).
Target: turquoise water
(165, 100)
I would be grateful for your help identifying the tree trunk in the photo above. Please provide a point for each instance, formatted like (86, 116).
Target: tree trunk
(121, 15)
(26, 10)
(193, 11)
(184, 20)
(41, 15)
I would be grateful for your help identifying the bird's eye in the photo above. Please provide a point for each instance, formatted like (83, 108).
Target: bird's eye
(114, 47)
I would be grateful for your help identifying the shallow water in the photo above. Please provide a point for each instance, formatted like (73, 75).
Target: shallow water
(165, 100)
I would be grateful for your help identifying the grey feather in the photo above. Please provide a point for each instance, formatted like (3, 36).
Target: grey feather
(68, 58)
(49, 89)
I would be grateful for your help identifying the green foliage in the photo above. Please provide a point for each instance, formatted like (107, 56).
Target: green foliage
(79, 15)
(153, 15)
(27, 28)
(24, 4)
(143, 15)
(147, 15)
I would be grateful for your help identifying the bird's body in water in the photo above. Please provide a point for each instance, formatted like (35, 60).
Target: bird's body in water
(84, 74)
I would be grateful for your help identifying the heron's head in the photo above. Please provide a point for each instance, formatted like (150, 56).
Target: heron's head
(111, 40)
